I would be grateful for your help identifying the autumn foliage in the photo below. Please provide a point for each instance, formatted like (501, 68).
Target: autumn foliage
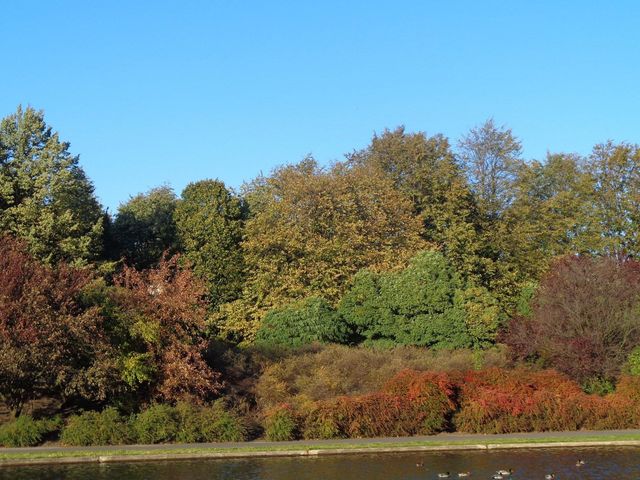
(51, 343)
(585, 318)
(493, 400)
(164, 311)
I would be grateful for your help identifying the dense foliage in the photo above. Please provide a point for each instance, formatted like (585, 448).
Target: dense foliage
(302, 297)
(585, 319)
(303, 322)
(52, 344)
(144, 228)
(426, 304)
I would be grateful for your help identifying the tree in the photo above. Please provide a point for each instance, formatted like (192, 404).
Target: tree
(310, 230)
(490, 155)
(52, 343)
(144, 228)
(45, 196)
(551, 215)
(159, 316)
(302, 322)
(426, 304)
(209, 220)
(425, 169)
(615, 170)
(585, 318)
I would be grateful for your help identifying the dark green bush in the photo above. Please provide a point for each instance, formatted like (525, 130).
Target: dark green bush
(598, 386)
(98, 428)
(27, 432)
(426, 305)
(157, 424)
(303, 322)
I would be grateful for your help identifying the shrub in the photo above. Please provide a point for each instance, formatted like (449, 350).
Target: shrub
(412, 403)
(157, 424)
(520, 400)
(432, 396)
(299, 323)
(27, 432)
(633, 362)
(215, 423)
(281, 424)
(598, 386)
(585, 319)
(97, 428)
(221, 424)
(325, 372)
(190, 421)
(426, 304)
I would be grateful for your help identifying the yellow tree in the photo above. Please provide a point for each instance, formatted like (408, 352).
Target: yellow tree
(310, 230)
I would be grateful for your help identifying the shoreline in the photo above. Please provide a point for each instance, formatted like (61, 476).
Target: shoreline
(13, 457)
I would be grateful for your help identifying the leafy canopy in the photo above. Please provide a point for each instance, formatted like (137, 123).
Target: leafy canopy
(209, 220)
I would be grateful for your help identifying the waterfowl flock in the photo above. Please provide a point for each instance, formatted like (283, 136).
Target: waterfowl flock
(500, 474)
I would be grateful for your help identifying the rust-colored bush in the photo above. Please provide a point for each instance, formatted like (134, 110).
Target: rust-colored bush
(618, 410)
(520, 400)
(412, 403)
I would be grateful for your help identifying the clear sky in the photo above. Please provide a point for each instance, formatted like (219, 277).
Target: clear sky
(176, 91)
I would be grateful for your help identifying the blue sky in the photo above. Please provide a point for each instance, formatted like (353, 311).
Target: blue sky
(176, 91)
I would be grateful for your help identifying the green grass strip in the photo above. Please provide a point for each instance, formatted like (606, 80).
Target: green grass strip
(177, 452)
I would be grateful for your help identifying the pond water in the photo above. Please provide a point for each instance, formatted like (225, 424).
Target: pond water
(601, 463)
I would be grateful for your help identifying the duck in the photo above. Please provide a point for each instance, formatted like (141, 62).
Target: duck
(443, 475)
(505, 472)
(580, 463)
(464, 474)
(550, 476)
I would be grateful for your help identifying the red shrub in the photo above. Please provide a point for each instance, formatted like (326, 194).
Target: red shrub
(412, 403)
(520, 400)
(618, 410)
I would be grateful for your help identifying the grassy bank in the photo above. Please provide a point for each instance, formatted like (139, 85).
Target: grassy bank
(41, 455)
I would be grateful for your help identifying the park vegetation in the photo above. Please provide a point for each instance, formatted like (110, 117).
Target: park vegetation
(414, 287)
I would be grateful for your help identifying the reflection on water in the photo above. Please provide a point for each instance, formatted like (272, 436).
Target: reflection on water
(601, 463)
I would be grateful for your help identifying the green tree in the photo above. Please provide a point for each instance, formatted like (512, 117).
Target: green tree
(45, 196)
(551, 215)
(144, 228)
(302, 322)
(209, 220)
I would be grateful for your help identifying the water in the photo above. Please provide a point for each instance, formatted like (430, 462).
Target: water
(601, 463)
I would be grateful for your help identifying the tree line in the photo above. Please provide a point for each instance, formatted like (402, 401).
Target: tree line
(411, 240)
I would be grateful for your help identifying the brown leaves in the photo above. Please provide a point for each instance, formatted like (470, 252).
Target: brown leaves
(166, 308)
